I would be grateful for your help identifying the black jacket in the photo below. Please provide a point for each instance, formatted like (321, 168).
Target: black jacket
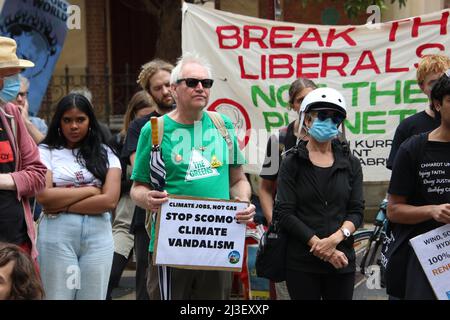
(304, 211)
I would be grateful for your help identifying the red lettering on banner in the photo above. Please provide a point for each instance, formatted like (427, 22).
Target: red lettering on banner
(344, 35)
(286, 66)
(301, 65)
(274, 35)
(315, 37)
(257, 39)
(442, 22)
(361, 66)
(389, 69)
(339, 68)
(244, 75)
(421, 48)
(222, 37)
(319, 65)
(394, 28)
(263, 67)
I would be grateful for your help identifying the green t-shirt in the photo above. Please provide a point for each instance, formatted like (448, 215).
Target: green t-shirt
(196, 158)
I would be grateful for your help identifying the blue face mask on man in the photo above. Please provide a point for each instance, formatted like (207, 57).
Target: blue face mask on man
(11, 88)
(323, 130)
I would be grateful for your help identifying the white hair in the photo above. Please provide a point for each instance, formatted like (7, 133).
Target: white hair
(186, 58)
(24, 81)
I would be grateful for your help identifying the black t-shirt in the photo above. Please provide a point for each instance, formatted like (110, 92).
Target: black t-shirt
(421, 173)
(116, 142)
(129, 147)
(13, 228)
(134, 130)
(415, 124)
(285, 140)
(323, 177)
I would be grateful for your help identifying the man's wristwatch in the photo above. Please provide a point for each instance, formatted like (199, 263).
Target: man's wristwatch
(346, 232)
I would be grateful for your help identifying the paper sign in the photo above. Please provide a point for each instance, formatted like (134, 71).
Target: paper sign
(200, 234)
(433, 251)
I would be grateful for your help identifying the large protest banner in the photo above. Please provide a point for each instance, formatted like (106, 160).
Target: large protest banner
(374, 66)
(39, 28)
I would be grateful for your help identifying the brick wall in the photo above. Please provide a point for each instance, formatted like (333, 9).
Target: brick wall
(97, 56)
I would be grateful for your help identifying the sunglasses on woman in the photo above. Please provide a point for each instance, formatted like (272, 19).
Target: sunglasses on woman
(193, 83)
(335, 116)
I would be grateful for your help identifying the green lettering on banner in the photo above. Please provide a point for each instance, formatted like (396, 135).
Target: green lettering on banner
(367, 122)
(275, 123)
(280, 92)
(356, 129)
(364, 120)
(374, 93)
(402, 113)
(407, 92)
(355, 86)
(271, 100)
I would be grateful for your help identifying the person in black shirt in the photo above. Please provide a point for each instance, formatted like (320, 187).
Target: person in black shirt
(419, 200)
(430, 68)
(155, 79)
(285, 139)
(319, 203)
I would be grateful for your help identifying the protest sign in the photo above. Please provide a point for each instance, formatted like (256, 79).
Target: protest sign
(200, 234)
(39, 28)
(374, 67)
(433, 251)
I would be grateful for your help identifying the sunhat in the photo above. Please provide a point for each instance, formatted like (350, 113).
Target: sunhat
(8, 57)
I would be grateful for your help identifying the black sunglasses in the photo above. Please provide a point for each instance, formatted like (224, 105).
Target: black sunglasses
(336, 117)
(193, 83)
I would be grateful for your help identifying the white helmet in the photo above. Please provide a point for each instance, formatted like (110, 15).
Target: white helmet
(324, 98)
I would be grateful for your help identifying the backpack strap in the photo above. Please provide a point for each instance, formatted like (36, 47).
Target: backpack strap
(220, 125)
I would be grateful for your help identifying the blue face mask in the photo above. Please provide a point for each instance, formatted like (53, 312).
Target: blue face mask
(11, 88)
(324, 130)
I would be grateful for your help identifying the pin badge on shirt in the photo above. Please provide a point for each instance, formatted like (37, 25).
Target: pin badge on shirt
(215, 163)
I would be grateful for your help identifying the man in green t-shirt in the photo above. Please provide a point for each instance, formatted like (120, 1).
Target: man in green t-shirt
(198, 163)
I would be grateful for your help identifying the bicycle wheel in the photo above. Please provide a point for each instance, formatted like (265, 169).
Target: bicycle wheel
(367, 250)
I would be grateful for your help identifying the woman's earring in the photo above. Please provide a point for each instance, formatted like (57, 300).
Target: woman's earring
(59, 132)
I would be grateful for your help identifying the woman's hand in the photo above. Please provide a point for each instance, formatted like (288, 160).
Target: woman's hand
(324, 248)
(338, 260)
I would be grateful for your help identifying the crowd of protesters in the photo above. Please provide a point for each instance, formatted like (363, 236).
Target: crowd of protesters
(97, 191)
